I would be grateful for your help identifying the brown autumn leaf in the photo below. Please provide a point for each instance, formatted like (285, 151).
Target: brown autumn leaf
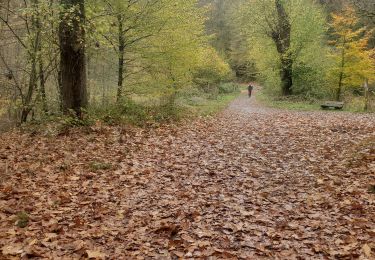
(367, 250)
(13, 249)
(251, 182)
(95, 254)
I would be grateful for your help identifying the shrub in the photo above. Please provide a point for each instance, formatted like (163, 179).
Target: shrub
(228, 88)
(138, 114)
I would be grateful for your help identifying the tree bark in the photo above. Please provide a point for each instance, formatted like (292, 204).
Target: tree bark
(41, 73)
(339, 89)
(33, 56)
(42, 85)
(121, 59)
(367, 94)
(341, 76)
(32, 84)
(72, 57)
(286, 75)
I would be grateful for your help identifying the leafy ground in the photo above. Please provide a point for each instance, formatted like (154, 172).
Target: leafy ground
(251, 183)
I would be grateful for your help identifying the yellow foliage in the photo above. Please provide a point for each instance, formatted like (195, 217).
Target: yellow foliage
(354, 62)
(211, 61)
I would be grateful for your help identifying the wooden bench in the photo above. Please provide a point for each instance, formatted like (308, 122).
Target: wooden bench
(332, 104)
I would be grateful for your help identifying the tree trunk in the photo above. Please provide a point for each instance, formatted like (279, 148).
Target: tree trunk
(341, 76)
(281, 37)
(339, 89)
(367, 94)
(32, 84)
(72, 57)
(27, 107)
(121, 59)
(42, 84)
(59, 86)
(286, 75)
(42, 77)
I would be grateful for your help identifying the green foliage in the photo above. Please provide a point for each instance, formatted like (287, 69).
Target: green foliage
(71, 120)
(100, 166)
(309, 79)
(22, 219)
(211, 69)
(228, 88)
(224, 27)
(147, 110)
(140, 114)
(306, 48)
(356, 103)
(163, 51)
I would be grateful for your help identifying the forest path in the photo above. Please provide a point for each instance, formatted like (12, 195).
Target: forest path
(251, 183)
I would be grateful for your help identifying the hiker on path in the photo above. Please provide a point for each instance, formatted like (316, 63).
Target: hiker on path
(250, 90)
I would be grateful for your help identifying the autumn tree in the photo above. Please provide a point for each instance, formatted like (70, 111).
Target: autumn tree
(282, 36)
(72, 56)
(121, 26)
(218, 24)
(52, 49)
(223, 27)
(354, 63)
(174, 54)
(28, 52)
(156, 50)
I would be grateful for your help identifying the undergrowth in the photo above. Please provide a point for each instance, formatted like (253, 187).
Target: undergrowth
(185, 104)
(300, 103)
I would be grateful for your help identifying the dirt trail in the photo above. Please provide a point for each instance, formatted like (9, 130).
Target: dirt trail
(251, 183)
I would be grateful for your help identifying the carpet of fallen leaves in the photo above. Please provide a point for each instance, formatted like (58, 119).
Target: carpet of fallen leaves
(250, 183)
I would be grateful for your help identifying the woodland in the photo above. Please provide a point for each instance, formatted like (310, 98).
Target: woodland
(127, 132)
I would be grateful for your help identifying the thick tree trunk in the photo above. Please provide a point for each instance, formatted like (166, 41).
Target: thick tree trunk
(121, 59)
(286, 75)
(72, 57)
(281, 37)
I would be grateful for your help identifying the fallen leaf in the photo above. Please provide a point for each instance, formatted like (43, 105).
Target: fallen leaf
(13, 249)
(367, 250)
(95, 254)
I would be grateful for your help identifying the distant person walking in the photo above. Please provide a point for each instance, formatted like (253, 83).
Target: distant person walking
(250, 90)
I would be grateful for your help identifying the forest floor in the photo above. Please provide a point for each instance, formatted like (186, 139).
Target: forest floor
(251, 183)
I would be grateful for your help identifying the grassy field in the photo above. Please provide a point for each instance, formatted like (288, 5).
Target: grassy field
(206, 107)
(351, 104)
(286, 104)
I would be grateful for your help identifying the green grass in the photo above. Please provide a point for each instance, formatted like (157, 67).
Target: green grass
(212, 106)
(291, 104)
(353, 105)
